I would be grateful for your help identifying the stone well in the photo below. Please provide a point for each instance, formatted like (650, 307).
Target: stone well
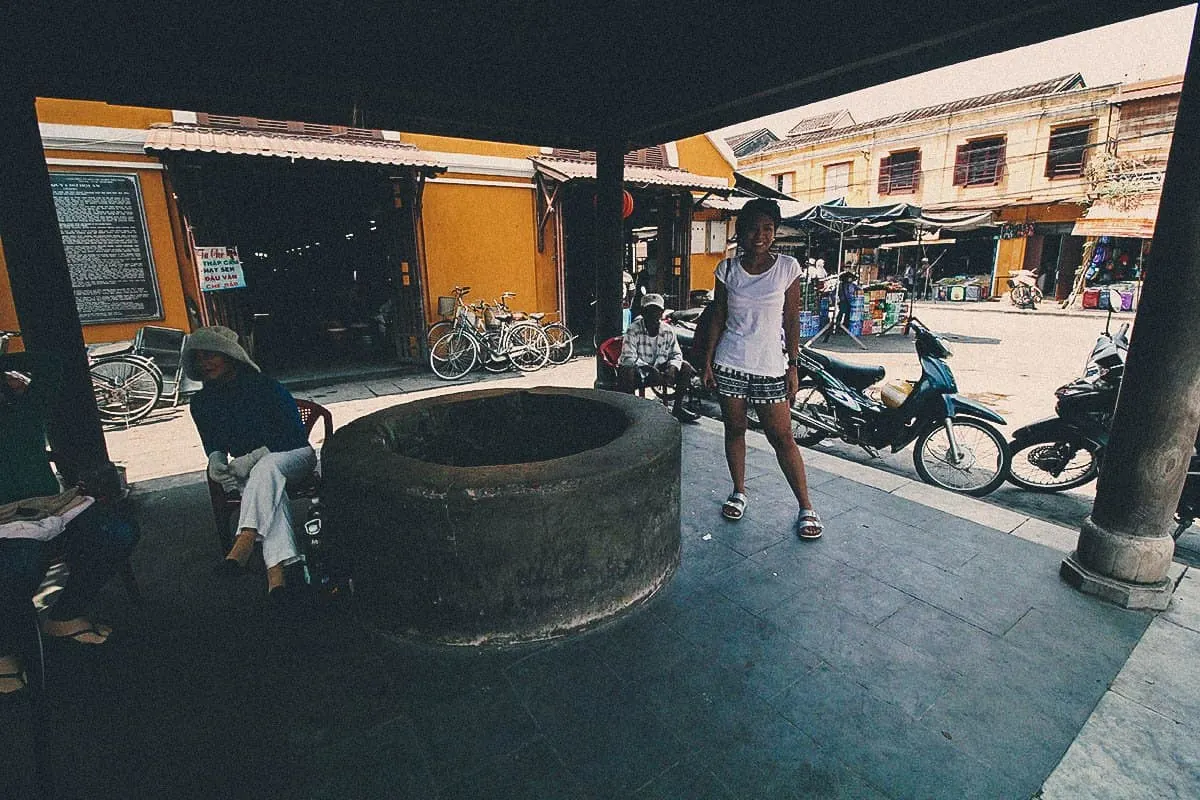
(505, 515)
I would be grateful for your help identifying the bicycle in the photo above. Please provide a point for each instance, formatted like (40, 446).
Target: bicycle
(493, 339)
(126, 386)
(562, 341)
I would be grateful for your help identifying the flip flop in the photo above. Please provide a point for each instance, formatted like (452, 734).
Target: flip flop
(86, 636)
(734, 507)
(809, 526)
(19, 682)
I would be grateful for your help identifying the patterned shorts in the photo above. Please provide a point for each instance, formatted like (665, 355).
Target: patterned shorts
(754, 389)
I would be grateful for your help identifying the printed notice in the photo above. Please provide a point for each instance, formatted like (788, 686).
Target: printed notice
(220, 268)
(104, 234)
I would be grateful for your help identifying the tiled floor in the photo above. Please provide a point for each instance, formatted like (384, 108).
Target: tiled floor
(909, 653)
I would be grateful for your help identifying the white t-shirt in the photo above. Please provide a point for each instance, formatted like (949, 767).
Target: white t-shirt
(754, 316)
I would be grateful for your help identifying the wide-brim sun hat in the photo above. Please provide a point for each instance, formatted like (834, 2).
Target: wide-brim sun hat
(213, 339)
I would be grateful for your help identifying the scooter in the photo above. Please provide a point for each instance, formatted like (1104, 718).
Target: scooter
(955, 447)
(1065, 451)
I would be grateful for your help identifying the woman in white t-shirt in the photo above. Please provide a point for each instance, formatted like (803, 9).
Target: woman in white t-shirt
(757, 292)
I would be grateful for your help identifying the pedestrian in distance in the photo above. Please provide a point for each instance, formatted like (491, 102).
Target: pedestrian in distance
(755, 290)
(256, 444)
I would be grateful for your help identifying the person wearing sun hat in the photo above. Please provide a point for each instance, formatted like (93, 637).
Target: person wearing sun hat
(255, 442)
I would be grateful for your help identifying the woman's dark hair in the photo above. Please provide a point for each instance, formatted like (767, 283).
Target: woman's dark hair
(759, 205)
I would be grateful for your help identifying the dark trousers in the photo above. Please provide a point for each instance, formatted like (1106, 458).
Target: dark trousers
(93, 545)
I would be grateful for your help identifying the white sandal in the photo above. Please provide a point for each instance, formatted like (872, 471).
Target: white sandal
(734, 506)
(809, 526)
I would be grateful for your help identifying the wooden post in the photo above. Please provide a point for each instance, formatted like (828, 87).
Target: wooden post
(1125, 547)
(41, 283)
(610, 243)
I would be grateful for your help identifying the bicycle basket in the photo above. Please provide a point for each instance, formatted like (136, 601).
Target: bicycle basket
(446, 306)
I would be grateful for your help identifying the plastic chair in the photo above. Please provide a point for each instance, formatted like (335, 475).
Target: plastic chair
(224, 505)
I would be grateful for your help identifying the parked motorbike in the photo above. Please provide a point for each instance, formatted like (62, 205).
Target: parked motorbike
(1065, 451)
(955, 447)
(1189, 501)
(1023, 290)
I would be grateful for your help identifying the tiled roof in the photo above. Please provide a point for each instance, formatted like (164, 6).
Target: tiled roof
(819, 123)
(1053, 86)
(564, 169)
(734, 141)
(251, 142)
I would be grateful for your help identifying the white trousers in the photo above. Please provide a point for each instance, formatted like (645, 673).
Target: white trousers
(265, 504)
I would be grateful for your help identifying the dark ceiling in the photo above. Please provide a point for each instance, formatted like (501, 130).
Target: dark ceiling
(573, 74)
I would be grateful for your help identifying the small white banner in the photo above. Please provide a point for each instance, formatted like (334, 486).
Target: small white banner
(220, 268)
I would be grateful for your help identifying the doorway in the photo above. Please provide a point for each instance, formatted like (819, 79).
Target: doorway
(329, 254)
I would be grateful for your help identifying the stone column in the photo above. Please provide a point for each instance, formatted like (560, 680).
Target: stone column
(41, 283)
(1125, 547)
(610, 242)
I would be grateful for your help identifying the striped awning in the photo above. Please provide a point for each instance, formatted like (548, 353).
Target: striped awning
(286, 145)
(563, 170)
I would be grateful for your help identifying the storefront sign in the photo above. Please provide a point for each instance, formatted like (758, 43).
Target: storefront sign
(107, 244)
(220, 268)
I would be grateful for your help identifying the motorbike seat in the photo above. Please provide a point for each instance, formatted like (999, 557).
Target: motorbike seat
(852, 375)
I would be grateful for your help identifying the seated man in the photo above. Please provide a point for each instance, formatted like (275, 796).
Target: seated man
(38, 519)
(650, 356)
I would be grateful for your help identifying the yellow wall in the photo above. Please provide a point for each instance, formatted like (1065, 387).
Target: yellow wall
(89, 112)
(482, 237)
(449, 144)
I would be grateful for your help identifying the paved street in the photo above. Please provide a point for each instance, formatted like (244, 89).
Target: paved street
(1011, 361)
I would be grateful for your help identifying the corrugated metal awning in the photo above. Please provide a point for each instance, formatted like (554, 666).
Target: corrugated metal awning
(1105, 219)
(563, 170)
(286, 145)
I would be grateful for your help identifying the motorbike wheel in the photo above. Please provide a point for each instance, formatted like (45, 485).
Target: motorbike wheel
(985, 457)
(811, 407)
(1052, 466)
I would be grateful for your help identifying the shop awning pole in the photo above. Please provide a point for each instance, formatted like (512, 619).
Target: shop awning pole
(41, 283)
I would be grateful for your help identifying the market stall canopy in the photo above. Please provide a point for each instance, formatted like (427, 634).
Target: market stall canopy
(565, 169)
(957, 223)
(1107, 218)
(286, 145)
(528, 71)
(840, 218)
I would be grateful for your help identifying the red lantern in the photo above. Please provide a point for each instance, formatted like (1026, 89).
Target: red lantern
(626, 203)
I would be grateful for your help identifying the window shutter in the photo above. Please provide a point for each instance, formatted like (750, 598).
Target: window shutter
(885, 175)
(1001, 148)
(962, 155)
(916, 172)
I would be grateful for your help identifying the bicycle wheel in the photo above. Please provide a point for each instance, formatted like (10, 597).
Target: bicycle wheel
(527, 346)
(126, 389)
(491, 354)
(562, 342)
(437, 330)
(453, 355)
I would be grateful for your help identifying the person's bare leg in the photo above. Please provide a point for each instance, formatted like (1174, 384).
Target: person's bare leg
(733, 413)
(777, 424)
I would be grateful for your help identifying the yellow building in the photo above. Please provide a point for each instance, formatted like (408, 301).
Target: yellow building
(346, 237)
(1020, 153)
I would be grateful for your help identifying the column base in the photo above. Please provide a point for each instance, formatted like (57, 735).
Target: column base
(1151, 596)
